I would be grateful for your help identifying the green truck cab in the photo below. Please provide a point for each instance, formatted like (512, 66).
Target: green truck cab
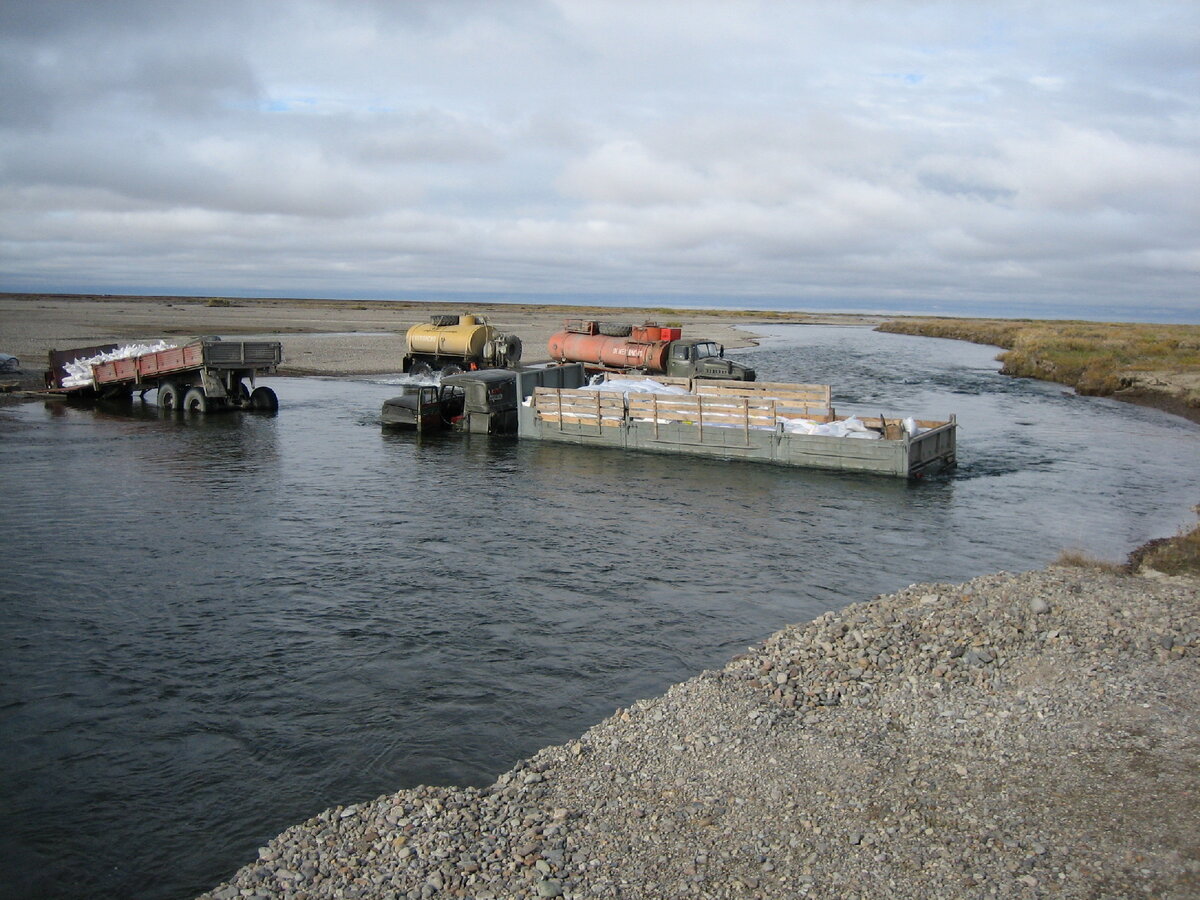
(704, 359)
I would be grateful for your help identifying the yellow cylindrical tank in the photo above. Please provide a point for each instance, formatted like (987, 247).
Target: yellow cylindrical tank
(465, 340)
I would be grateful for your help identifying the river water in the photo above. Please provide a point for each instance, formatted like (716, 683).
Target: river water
(215, 628)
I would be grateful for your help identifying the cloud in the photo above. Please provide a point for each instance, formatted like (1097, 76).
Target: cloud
(703, 150)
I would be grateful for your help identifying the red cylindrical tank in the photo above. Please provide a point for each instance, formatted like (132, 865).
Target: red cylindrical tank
(609, 351)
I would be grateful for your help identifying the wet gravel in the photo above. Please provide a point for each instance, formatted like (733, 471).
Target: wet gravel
(1020, 735)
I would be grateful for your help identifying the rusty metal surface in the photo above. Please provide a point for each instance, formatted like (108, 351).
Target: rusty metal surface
(55, 371)
(608, 351)
(249, 355)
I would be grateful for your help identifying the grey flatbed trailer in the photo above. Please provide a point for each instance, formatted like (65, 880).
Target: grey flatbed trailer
(733, 420)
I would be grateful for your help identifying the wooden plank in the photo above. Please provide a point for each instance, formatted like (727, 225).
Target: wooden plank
(585, 409)
(815, 392)
(579, 407)
(782, 400)
(673, 381)
(579, 420)
(725, 411)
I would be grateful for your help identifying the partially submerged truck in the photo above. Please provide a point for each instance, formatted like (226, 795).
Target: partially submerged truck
(483, 402)
(781, 424)
(450, 343)
(643, 349)
(205, 375)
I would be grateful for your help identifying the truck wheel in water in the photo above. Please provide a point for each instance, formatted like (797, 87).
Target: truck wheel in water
(452, 369)
(195, 401)
(420, 370)
(168, 396)
(263, 399)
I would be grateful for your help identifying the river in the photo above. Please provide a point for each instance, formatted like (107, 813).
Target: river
(215, 628)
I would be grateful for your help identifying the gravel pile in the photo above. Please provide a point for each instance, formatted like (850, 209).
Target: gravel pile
(1016, 736)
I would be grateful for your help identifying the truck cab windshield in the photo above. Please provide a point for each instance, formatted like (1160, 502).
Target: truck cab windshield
(707, 349)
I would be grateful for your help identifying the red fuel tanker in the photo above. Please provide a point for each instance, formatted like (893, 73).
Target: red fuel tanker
(648, 349)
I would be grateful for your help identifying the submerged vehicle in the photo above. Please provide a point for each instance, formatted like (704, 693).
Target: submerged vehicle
(422, 407)
(483, 402)
(782, 424)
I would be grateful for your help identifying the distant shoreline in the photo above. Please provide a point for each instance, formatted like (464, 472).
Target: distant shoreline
(334, 338)
(1007, 309)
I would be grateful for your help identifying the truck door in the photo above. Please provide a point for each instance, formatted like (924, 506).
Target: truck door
(679, 361)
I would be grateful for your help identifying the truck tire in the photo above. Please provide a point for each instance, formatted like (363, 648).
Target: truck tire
(195, 401)
(451, 369)
(420, 369)
(614, 329)
(442, 321)
(168, 397)
(263, 399)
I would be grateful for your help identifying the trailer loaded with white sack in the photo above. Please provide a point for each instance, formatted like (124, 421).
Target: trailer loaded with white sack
(781, 424)
(205, 375)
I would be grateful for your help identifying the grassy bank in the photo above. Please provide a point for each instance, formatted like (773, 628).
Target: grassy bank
(1154, 364)
(1179, 555)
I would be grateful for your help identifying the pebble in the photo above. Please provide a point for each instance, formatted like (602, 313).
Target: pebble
(931, 742)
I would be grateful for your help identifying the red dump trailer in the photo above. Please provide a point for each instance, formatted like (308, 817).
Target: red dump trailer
(205, 375)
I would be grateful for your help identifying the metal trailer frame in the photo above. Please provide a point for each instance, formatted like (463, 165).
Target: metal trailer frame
(201, 376)
(733, 428)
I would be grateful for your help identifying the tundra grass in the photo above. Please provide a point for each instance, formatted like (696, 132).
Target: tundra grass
(1179, 555)
(1096, 358)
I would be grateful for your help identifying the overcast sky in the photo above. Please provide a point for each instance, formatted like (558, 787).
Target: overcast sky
(890, 154)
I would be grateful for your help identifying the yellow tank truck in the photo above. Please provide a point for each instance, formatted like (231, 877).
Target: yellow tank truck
(455, 343)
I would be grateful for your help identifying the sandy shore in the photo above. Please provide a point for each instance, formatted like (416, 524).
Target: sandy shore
(320, 337)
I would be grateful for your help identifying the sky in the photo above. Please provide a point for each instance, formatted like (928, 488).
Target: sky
(900, 156)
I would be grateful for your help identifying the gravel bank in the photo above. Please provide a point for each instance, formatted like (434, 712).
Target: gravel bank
(1015, 736)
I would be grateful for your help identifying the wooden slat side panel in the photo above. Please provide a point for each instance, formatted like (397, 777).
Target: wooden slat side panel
(790, 401)
(753, 412)
(569, 419)
(579, 407)
(809, 393)
(115, 371)
(673, 381)
(791, 398)
(104, 373)
(701, 410)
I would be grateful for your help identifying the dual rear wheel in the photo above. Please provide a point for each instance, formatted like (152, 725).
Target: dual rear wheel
(168, 397)
(194, 400)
